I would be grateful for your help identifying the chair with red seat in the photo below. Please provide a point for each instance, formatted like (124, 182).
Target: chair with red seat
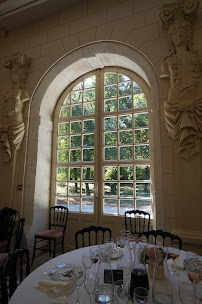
(58, 216)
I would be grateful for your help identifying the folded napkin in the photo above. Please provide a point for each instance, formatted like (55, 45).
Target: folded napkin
(179, 263)
(57, 289)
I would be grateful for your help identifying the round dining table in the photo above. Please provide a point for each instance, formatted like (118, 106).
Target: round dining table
(28, 292)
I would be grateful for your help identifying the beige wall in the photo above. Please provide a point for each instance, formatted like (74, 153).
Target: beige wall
(136, 24)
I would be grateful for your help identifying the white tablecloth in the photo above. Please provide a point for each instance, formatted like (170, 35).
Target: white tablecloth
(27, 293)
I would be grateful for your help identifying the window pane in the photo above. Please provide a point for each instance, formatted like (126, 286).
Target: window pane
(77, 96)
(144, 205)
(79, 86)
(65, 112)
(89, 108)
(125, 88)
(111, 105)
(61, 188)
(111, 153)
(90, 82)
(141, 136)
(63, 128)
(75, 155)
(88, 173)
(63, 156)
(123, 78)
(111, 138)
(88, 189)
(110, 78)
(139, 101)
(89, 95)
(142, 173)
(89, 125)
(75, 127)
(110, 123)
(125, 137)
(87, 205)
(110, 91)
(88, 154)
(126, 205)
(75, 173)
(74, 189)
(126, 153)
(74, 204)
(67, 100)
(110, 189)
(142, 189)
(88, 140)
(77, 110)
(61, 201)
(126, 173)
(75, 141)
(126, 190)
(63, 142)
(136, 88)
(110, 206)
(110, 173)
(125, 121)
(62, 173)
(141, 120)
(142, 152)
(125, 103)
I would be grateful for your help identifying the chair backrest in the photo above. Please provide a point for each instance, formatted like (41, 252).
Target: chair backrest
(15, 268)
(91, 235)
(58, 216)
(19, 233)
(160, 237)
(8, 224)
(137, 221)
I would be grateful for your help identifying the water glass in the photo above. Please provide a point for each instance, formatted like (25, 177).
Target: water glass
(120, 292)
(90, 284)
(141, 295)
(187, 292)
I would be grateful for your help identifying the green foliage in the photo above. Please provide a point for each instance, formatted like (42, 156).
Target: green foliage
(142, 172)
(140, 101)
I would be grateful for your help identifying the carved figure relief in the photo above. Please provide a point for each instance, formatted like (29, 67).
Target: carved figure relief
(183, 109)
(12, 127)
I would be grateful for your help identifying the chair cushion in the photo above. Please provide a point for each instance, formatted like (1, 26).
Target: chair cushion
(3, 256)
(49, 235)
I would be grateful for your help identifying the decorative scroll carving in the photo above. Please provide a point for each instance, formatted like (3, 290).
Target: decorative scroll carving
(12, 127)
(183, 109)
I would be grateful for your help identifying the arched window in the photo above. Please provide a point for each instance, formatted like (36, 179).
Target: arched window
(102, 160)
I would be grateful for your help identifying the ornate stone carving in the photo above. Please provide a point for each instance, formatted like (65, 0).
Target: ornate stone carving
(12, 127)
(183, 109)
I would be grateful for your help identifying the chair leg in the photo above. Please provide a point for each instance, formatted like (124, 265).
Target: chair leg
(63, 246)
(34, 251)
(54, 249)
(49, 248)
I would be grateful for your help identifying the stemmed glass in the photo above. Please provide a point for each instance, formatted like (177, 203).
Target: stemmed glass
(90, 284)
(120, 292)
(173, 253)
(86, 260)
(187, 292)
(78, 279)
(94, 255)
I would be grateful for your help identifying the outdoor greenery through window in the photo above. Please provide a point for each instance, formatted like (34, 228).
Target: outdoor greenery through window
(103, 143)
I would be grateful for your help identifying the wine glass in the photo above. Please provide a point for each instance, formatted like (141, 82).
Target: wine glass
(187, 292)
(90, 284)
(78, 279)
(141, 295)
(173, 253)
(120, 292)
(192, 260)
(94, 255)
(86, 260)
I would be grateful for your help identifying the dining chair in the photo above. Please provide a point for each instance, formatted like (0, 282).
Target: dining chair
(8, 226)
(58, 216)
(16, 244)
(137, 221)
(13, 271)
(158, 237)
(91, 235)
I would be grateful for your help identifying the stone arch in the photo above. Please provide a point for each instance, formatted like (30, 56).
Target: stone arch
(44, 99)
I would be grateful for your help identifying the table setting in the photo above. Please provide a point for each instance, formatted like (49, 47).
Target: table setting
(123, 270)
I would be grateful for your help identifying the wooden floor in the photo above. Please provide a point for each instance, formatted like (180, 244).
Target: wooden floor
(40, 259)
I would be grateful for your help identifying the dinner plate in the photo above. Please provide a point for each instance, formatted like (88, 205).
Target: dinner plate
(64, 272)
(116, 253)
